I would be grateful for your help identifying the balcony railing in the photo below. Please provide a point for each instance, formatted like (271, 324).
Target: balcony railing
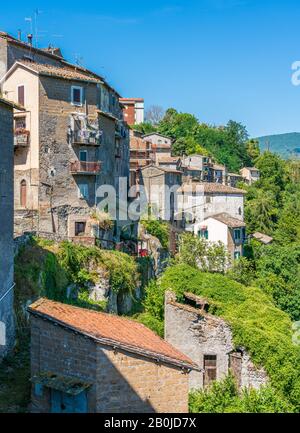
(86, 137)
(83, 167)
(21, 138)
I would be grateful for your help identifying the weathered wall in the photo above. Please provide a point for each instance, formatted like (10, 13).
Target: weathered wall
(56, 350)
(121, 382)
(6, 229)
(196, 334)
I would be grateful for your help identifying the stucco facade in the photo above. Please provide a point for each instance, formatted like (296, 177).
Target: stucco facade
(73, 148)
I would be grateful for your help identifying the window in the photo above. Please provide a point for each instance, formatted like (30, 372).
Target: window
(23, 193)
(237, 255)
(79, 228)
(83, 155)
(21, 95)
(203, 233)
(210, 369)
(237, 234)
(83, 190)
(76, 95)
(208, 199)
(20, 122)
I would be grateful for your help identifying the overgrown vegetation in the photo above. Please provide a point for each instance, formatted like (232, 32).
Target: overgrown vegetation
(224, 397)
(264, 330)
(229, 145)
(159, 229)
(273, 207)
(199, 253)
(64, 272)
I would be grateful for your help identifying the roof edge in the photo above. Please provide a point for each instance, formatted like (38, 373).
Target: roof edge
(113, 343)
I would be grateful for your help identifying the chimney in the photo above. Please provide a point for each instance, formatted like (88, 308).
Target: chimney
(29, 38)
(19, 35)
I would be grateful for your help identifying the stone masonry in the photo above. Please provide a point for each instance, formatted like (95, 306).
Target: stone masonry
(120, 381)
(207, 340)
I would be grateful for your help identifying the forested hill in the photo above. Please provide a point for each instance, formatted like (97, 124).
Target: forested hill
(229, 144)
(286, 145)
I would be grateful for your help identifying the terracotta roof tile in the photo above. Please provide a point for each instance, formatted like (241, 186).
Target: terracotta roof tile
(211, 187)
(60, 72)
(111, 330)
(227, 219)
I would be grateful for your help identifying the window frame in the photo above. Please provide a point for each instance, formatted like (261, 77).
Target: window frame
(80, 195)
(80, 88)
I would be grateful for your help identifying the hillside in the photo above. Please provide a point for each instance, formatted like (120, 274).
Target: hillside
(264, 330)
(286, 145)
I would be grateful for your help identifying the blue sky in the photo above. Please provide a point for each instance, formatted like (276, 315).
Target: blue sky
(218, 59)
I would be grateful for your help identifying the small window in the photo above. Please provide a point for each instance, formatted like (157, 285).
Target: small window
(20, 122)
(23, 193)
(237, 255)
(208, 199)
(79, 228)
(210, 369)
(203, 234)
(76, 95)
(83, 155)
(21, 95)
(237, 234)
(83, 190)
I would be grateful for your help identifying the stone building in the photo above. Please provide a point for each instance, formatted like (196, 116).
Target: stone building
(250, 174)
(208, 341)
(6, 228)
(86, 361)
(199, 167)
(226, 229)
(161, 186)
(200, 200)
(71, 140)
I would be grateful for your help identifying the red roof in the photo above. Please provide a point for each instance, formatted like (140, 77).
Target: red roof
(111, 330)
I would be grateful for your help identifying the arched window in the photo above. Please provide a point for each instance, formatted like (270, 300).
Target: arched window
(23, 192)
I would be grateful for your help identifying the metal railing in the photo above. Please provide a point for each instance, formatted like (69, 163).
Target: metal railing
(78, 167)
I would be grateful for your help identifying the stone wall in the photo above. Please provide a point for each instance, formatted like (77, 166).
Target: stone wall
(7, 330)
(120, 382)
(196, 334)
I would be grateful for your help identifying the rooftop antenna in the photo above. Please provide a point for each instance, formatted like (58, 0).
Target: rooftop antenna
(29, 19)
(78, 59)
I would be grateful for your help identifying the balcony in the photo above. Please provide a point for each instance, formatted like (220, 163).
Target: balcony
(21, 137)
(86, 168)
(86, 137)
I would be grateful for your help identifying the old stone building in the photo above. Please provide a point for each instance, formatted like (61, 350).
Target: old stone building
(161, 186)
(71, 140)
(208, 341)
(200, 200)
(86, 361)
(6, 228)
(250, 174)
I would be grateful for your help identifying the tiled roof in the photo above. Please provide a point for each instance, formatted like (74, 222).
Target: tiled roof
(171, 159)
(211, 187)
(60, 72)
(265, 239)
(229, 220)
(218, 167)
(111, 330)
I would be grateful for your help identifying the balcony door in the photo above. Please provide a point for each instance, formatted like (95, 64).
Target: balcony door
(83, 156)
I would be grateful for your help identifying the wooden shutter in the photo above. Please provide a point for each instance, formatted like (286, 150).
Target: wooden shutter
(21, 95)
(210, 369)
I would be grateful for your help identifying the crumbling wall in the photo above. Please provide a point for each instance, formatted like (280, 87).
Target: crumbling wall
(196, 333)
